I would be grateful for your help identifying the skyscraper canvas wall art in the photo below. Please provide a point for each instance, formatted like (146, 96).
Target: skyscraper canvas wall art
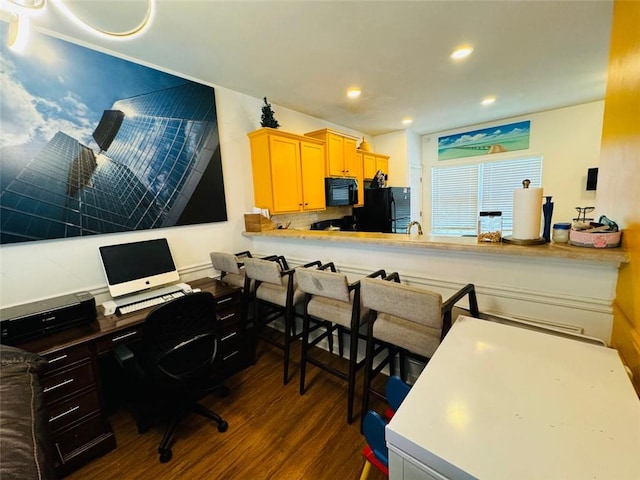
(94, 144)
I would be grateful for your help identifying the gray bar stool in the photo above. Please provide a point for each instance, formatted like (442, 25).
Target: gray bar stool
(412, 321)
(330, 298)
(275, 295)
(230, 267)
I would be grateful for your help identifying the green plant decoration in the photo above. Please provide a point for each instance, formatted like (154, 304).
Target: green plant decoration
(267, 119)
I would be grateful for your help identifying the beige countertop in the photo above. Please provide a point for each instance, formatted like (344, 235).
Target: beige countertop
(455, 244)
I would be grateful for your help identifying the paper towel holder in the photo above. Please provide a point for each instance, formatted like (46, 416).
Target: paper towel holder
(516, 241)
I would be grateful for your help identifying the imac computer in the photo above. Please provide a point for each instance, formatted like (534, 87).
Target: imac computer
(133, 267)
(136, 270)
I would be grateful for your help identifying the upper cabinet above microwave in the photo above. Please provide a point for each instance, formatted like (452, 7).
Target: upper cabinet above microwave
(372, 162)
(341, 158)
(288, 171)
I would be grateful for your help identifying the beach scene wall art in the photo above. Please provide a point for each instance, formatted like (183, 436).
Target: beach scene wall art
(498, 139)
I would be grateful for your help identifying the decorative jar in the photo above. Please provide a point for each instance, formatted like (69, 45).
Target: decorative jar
(490, 227)
(561, 232)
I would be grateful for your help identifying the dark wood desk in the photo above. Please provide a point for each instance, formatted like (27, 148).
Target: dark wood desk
(72, 386)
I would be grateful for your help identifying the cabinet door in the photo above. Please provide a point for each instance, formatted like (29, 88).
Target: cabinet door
(351, 166)
(369, 165)
(335, 155)
(312, 166)
(382, 163)
(285, 174)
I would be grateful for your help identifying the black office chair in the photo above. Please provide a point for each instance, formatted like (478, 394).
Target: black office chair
(171, 366)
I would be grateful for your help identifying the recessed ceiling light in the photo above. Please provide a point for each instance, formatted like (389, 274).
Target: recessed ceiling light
(407, 121)
(488, 101)
(353, 92)
(461, 52)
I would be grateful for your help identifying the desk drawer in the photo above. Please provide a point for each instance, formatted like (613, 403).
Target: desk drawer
(228, 316)
(108, 342)
(63, 358)
(228, 300)
(74, 438)
(73, 410)
(230, 341)
(66, 382)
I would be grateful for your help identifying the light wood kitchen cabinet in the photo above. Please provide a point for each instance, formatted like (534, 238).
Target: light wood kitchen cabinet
(288, 171)
(341, 157)
(372, 162)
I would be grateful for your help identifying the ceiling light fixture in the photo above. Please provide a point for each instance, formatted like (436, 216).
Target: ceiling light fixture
(354, 92)
(22, 10)
(461, 52)
(407, 121)
(488, 101)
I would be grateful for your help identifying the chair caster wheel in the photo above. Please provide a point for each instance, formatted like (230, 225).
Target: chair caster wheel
(223, 426)
(143, 427)
(165, 455)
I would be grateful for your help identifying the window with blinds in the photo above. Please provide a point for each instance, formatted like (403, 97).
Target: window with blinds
(460, 192)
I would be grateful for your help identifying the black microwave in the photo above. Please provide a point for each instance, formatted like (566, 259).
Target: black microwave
(341, 191)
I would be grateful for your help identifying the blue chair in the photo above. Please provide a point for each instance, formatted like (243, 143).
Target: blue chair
(375, 452)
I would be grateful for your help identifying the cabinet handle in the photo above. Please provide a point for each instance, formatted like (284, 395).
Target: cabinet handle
(126, 335)
(60, 453)
(57, 359)
(224, 300)
(229, 356)
(222, 319)
(61, 384)
(71, 410)
(227, 337)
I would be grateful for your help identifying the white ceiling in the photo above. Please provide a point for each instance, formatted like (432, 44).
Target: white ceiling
(303, 55)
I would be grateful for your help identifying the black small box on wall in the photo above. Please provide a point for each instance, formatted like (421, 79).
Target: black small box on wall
(592, 178)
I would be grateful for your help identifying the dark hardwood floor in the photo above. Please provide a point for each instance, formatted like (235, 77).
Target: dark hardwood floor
(274, 432)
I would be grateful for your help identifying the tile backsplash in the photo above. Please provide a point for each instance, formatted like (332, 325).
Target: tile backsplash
(302, 221)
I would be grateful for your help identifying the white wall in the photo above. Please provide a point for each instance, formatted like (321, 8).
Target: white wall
(569, 140)
(35, 270)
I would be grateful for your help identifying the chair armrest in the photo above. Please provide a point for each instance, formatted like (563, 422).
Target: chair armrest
(394, 276)
(241, 255)
(124, 356)
(315, 263)
(447, 306)
(329, 265)
(468, 289)
(378, 273)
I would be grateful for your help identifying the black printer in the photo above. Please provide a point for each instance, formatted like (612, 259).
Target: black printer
(43, 317)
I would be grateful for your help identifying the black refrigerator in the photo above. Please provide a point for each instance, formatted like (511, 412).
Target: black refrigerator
(386, 210)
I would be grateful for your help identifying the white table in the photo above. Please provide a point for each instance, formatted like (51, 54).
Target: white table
(500, 402)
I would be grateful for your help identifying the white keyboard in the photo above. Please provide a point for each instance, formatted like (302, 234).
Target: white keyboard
(150, 302)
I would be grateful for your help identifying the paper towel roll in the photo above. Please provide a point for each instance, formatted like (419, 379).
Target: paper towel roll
(527, 213)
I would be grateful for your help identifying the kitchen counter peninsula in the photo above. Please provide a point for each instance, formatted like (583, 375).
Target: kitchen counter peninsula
(460, 244)
(560, 286)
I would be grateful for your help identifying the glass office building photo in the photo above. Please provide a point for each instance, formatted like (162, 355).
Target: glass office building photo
(153, 160)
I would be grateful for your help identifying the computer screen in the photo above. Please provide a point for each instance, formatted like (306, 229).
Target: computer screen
(137, 266)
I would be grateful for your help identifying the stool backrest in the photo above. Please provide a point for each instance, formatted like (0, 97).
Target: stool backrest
(323, 283)
(415, 304)
(225, 262)
(267, 271)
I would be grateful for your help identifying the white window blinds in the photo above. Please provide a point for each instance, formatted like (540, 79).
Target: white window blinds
(460, 192)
